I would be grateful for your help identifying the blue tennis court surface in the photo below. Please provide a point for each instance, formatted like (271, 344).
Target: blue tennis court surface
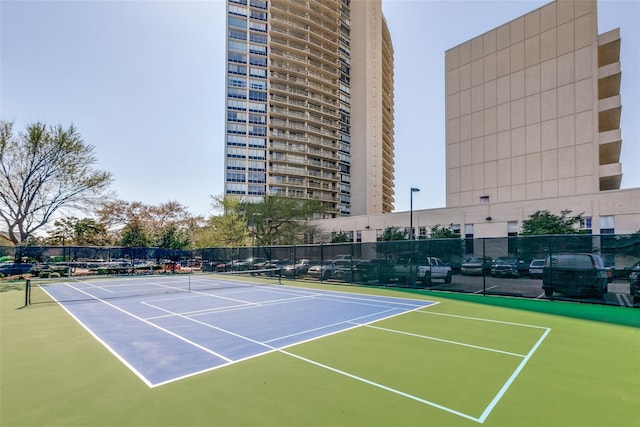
(168, 336)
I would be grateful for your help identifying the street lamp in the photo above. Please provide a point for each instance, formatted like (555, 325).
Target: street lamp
(413, 190)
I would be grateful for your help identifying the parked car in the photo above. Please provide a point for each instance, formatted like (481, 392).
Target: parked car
(535, 268)
(476, 266)
(15, 268)
(379, 270)
(347, 271)
(300, 268)
(227, 266)
(634, 283)
(49, 270)
(507, 267)
(327, 270)
(574, 274)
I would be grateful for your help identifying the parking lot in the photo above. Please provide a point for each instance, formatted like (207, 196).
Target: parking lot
(618, 290)
(524, 286)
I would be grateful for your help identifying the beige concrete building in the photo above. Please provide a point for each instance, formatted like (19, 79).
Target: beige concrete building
(533, 109)
(372, 133)
(310, 103)
(533, 123)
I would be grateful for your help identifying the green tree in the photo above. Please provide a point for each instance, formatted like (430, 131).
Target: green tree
(135, 235)
(79, 232)
(167, 225)
(228, 228)
(544, 222)
(341, 237)
(171, 237)
(43, 170)
(439, 232)
(277, 220)
(393, 233)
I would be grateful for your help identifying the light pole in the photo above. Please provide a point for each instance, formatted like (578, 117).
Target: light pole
(413, 190)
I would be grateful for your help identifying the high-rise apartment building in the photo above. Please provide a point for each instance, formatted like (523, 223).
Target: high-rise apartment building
(310, 103)
(533, 109)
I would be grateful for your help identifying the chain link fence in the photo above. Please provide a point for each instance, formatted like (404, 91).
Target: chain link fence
(512, 266)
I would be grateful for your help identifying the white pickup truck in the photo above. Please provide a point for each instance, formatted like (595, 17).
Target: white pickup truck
(423, 269)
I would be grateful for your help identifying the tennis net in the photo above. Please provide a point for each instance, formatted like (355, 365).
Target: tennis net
(96, 288)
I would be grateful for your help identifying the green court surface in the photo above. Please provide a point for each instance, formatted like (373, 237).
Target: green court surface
(483, 361)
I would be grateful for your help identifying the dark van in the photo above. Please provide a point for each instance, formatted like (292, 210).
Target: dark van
(574, 275)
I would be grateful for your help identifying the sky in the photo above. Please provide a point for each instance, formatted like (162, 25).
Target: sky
(144, 84)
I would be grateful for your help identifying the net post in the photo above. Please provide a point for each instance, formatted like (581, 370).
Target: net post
(27, 292)
(280, 276)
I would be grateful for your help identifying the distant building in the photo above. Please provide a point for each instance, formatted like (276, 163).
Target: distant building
(310, 103)
(533, 123)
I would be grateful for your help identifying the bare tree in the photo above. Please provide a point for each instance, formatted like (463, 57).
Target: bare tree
(42, 170)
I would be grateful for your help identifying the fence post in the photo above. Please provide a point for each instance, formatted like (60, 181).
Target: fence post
(484, 273)
(27, 293)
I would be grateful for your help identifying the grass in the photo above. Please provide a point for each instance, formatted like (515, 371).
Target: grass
(585, 373)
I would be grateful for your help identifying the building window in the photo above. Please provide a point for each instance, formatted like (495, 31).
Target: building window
(236, 177)
(258, 38)
(237, 22)
(456, 229)
(257, 96)
(468, 238)
(607, 225)
(237, 10)
(422, 233)
(585, 224)
(484, 200)
(237, 69)
(237, 57)
(238, 35)
(512, 240)
(237, 82)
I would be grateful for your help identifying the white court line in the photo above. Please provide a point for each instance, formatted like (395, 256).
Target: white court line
(243, 304)
(434, 313)
(117, 288)
(487, 411)
(356, 296)
(281, 349)
(392, 390)
(447, 341)
(486, 289)
(328, 295)
(623, 300)
(248, 304)
(208, 325)
(283, 301)
(153, 325)
(512, 378)
(350, 321)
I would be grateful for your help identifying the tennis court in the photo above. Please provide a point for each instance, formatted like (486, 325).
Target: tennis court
(491, 361)
(169, 328)
(165, 328)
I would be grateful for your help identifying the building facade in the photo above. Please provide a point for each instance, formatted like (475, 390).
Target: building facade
(295, 93)
(533, 109)
(532, 123)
